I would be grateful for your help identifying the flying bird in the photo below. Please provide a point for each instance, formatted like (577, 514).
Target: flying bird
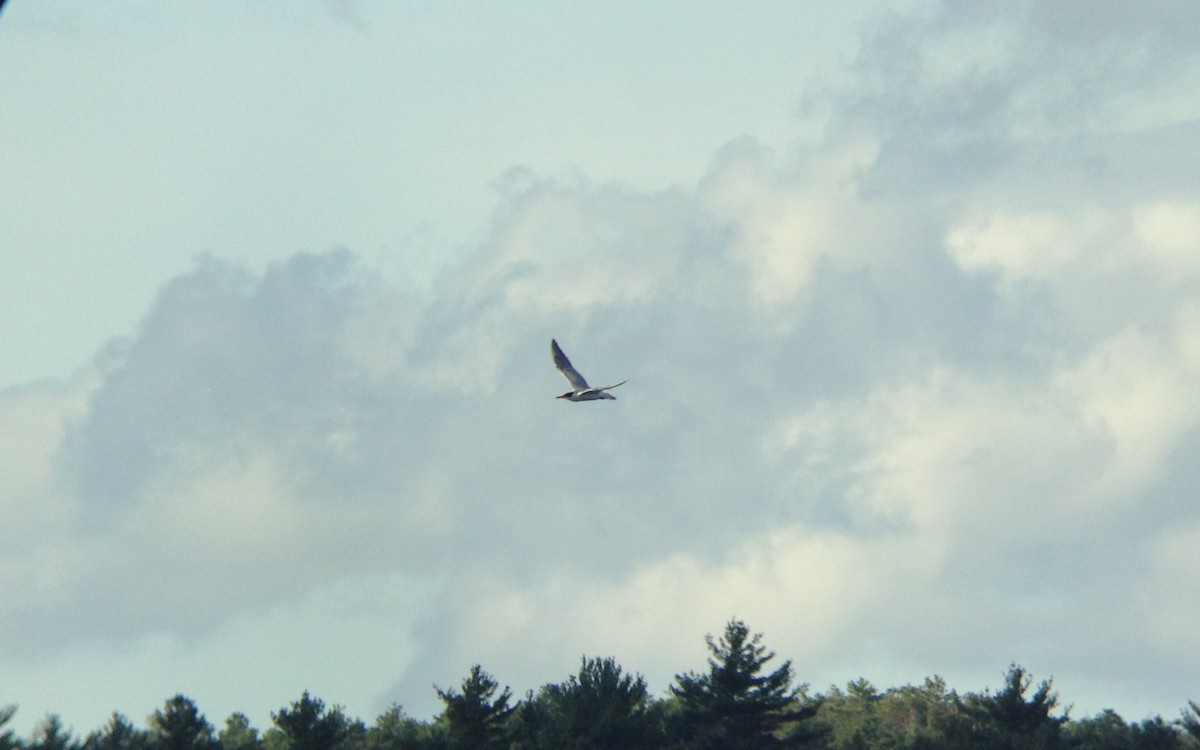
(581, 390)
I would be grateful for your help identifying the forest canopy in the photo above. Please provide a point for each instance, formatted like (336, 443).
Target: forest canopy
(744, 699)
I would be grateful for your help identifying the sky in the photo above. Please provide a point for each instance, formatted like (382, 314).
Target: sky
(907, 294)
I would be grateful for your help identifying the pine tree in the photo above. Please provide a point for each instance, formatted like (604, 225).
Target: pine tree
(180, 726)
(1190, 722)
(50, 735)
(308, 726)
(599, 708)
(393, 730)
(736, 705)
(238, 734)
(8, 741)
(1011, 721)
(473, 719)
(1155, 734)
(117, 734)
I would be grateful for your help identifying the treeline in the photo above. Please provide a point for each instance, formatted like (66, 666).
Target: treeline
(736, 704)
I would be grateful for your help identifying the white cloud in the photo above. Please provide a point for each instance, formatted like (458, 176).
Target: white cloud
(909, 398)
(1036, 245)
(789, 218)
(1134, 388)
(1170, 232)
(35, 419)
(811, 591)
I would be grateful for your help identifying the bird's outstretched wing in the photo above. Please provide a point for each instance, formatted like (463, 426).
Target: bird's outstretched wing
(563, 364)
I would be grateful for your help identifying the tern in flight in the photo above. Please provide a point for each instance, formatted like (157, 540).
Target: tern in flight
(582, 391)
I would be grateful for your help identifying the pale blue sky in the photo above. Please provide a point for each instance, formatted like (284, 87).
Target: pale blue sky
(908, 296)
(145, 135)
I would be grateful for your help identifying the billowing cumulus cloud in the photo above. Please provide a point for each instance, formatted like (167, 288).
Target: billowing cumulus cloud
(916, 397)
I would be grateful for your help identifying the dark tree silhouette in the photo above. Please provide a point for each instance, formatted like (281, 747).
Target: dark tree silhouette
(1010, 721)
(1108, 731)
(117, 734)
(179, 725)
(1190, 722)
(1104, 731)
(50, 735)
(8, 740)
(736, 705)
(473, 719)
(599, 708)
(1156, 734)
(307, 725)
